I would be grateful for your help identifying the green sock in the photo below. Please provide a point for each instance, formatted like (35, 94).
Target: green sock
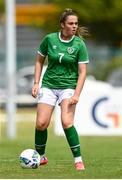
(40, 141)
(73, 140)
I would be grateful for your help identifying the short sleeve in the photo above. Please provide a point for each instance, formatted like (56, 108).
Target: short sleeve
(42, 50)
(83, 53)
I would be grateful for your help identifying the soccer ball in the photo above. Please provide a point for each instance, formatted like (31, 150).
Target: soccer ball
(29, 158)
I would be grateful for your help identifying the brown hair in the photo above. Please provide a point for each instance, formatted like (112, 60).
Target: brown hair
(81, 31)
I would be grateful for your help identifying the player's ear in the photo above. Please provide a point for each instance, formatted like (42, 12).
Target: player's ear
(62, 25)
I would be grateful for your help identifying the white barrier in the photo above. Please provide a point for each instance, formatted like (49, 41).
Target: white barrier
(99, 111)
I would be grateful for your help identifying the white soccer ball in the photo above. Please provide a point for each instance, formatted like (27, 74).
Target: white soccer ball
(29, 158)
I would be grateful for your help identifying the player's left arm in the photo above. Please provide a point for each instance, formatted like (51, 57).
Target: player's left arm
(83, 60)
(82, 68)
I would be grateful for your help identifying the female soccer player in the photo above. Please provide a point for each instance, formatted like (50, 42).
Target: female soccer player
(62, 82)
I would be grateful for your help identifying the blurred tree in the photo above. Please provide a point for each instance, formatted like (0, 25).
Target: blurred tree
(2, 6)
(2, 10)
(106, 69)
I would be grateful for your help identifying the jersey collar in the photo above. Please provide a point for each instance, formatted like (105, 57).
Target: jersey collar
(66, 41)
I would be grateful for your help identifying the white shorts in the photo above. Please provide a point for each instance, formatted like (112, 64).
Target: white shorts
(53, 96)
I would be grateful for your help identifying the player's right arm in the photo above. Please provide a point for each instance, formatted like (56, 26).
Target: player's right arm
(38, 70)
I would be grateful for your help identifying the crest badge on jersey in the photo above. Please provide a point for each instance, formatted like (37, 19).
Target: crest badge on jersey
(70, 50)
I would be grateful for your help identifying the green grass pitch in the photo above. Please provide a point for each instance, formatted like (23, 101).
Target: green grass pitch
(102, 156)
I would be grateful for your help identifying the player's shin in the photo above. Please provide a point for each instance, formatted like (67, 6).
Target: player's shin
(73, 141)
(40, 141)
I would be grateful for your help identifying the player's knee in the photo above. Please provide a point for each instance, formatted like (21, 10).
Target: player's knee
(66, 124)
(41, 125)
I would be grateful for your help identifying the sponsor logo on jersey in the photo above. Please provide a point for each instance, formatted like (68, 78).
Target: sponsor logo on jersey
(70, 50)
(54, 46)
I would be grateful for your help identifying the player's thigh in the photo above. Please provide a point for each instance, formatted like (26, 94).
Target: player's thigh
(44, 113)
(67, 113)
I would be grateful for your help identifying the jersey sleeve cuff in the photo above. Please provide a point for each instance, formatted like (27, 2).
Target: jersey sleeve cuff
(41, 53)
(81, 62)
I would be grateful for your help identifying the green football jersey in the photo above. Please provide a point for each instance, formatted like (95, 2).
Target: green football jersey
(63, 58)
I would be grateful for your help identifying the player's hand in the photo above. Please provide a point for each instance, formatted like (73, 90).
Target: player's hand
(73, 100)
(35, 89)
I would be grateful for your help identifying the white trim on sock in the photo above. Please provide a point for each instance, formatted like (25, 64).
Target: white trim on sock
(40, 145)
(78, 159)
(75, 146)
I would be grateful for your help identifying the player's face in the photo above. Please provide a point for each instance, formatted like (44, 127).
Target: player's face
(70, 26)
